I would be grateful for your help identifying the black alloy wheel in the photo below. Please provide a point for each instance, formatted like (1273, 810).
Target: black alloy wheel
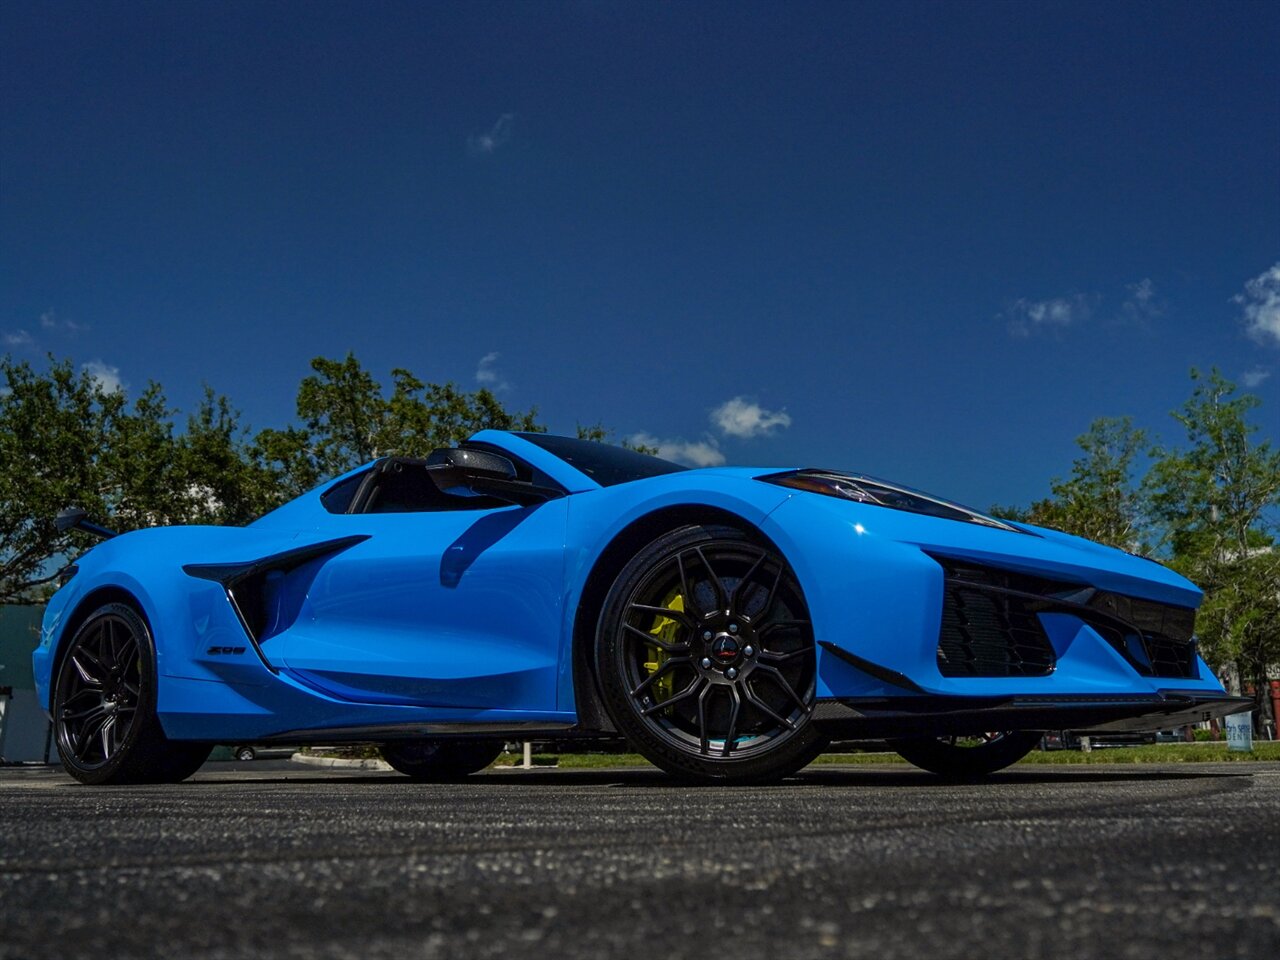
(440, 761)
(967, 757)
(706, 657)
(104, 701)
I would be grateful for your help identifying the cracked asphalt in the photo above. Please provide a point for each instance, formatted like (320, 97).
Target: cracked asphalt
(278, 860)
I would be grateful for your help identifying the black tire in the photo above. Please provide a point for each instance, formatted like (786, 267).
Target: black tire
(440, 761)
(246, 753)
(967, 757)
(706, 660)
(104, 706)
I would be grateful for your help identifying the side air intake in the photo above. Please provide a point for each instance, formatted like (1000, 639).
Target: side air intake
(258, 589)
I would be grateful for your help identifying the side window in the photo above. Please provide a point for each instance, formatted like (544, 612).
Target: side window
(337, 499)
(403, 486)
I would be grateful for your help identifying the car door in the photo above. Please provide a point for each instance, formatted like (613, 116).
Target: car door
(448, 603)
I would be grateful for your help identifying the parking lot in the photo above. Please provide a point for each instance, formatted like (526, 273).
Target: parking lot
(273, 859)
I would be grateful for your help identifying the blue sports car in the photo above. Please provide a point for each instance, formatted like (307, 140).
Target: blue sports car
(727, 622)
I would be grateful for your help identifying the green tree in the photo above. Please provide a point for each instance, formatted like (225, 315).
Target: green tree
(1215, 502)
(1100, 500)
(66, 441)
(346, 419)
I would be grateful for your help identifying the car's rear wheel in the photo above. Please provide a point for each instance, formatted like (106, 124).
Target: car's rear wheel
(961, 757)
(246, 753)
(705, 657)
(439, 761)
(104, 706)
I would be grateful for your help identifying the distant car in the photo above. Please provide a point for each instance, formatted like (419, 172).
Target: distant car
(726, 621)
(247, 751)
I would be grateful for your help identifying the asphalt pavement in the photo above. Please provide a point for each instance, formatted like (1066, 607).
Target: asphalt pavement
(271, 859)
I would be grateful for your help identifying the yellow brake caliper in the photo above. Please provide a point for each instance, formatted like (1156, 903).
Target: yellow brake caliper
(666, 630)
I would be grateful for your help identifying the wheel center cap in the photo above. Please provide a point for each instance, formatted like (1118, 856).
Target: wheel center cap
(724, 649)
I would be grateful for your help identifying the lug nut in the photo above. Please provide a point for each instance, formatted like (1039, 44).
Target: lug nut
(733, 628)
(748, 651)
(731, 673)
(706, 663)
(707, 635)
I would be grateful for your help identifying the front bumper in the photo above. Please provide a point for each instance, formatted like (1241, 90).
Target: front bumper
(905, 716)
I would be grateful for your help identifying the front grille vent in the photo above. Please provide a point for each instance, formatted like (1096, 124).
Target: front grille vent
(988, 633)
(991, 625)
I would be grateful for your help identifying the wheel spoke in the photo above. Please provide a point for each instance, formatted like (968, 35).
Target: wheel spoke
(781, 682)
(678, 615)
(664, 668)
(764, 708)
(88, 731)
(126, 652)
(85, 675)
(767, 628)
(732, 733)
(88, 714)
(684, 583)
(722, 600)
(768, 657)
(654, 640)
(108, 737)
(109, 640)
(773, 593)
(684, 694)
(704, 741)
(736, 597)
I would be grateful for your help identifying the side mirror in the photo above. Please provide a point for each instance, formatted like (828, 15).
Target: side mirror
(76, 518)
(474, 464)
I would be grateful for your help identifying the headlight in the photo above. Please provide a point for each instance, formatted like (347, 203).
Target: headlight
(878, 493)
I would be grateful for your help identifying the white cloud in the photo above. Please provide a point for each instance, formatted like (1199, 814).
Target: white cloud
(49, 320)
(104, 375)
(483, 144)
(1261, 303)
(740, 417)
(20, 339)
(702, 453)
(488, 375)
(1026, 317)
(1252, 378)
(1142, 304)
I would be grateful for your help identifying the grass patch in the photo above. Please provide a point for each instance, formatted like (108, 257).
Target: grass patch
(1153, 753)
(1158, 753)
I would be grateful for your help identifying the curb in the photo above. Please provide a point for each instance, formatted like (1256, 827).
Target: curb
(338, 762)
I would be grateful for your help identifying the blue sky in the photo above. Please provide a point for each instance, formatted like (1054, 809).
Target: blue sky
(931, 241)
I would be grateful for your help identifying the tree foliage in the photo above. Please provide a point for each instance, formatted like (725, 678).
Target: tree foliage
(1213, 502)
(1206, 506)
(1100, 500)
(64, 440)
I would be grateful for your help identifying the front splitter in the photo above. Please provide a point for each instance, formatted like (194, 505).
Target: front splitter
(874, 718)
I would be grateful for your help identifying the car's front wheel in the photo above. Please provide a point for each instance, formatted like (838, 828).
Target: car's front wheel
(706, 660)
(440, 761)
(961, 757)
(104, 706)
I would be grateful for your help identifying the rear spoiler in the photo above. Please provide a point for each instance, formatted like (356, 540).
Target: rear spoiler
(76, 518)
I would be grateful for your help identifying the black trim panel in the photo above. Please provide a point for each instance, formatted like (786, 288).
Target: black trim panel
(884, 674)
(881, 717)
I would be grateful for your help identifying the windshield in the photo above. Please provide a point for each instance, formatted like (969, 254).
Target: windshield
(604, 463)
